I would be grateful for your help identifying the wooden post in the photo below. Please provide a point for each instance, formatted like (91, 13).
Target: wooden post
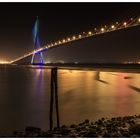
(54, 93)
(51, 101)
(56, 98)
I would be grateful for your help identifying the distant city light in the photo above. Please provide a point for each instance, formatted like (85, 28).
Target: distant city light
(4, 62)
(76, 62)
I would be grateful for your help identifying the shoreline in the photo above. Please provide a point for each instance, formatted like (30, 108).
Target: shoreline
(116, 127)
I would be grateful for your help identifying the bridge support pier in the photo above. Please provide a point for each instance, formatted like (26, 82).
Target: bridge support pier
(54, 95)
(41, 60)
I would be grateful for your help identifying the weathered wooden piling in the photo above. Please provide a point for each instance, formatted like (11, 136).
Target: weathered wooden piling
(54, 95)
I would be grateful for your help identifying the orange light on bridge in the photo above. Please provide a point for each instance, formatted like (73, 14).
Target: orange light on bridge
(80, 36)
(74, 37)
(59, 42)
(139, 20)
(64, 41)
(102, 29)
(112, 26)
(68, 39)
(124, 23)
(89, 33)
(55, 43)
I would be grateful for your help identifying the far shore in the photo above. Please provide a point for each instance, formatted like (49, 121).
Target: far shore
(107, 67)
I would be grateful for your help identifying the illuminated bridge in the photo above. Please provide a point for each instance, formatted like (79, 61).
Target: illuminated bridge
(115, 32)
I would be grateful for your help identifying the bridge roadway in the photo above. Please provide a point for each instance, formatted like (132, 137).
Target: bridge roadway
(95, 32)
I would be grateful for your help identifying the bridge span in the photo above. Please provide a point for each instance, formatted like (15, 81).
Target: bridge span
(117, 31)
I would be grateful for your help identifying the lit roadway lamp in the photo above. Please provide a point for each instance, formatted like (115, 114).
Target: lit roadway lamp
(113, 27)
(139, 20)
(89, 33)
(64, 41)
(102, 29)
(80, 36)
(68, 39)
(125, 24)
(74, 37)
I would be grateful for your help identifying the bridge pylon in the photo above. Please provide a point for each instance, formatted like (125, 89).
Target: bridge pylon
(36, 42)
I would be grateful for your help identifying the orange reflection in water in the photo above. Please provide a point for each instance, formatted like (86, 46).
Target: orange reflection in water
(95, 94)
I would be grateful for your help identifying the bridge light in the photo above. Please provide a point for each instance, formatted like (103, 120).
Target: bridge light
(124, 23)
(64, 40)
(102, 29)
(139, 20)
(55, 43)
(74, 37)
(80, 36)
(68, 39)
(59, 42)
(89, 33)
(112, 26)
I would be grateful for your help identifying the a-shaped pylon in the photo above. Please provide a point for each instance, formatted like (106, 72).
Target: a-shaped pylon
(37, 43)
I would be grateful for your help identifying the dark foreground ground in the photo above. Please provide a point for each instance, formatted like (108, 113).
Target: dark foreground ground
(119, 127)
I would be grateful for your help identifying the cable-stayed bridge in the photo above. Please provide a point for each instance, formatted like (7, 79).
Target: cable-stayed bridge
(104, 30)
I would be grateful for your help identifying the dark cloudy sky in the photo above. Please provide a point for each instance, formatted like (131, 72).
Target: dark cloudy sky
(56, 20)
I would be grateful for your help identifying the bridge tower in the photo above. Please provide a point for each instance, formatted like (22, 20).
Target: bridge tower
(36, 43)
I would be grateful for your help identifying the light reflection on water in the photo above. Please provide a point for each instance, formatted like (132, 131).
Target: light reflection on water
(24, 96)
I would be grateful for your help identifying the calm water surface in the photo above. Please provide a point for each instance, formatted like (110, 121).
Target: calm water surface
(25, 93)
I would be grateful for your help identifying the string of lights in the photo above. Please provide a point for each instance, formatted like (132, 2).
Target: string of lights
(95, 31)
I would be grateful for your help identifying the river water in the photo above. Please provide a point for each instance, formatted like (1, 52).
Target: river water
(25, 94)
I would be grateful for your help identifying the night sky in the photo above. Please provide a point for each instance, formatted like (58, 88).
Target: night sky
(56, 20)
